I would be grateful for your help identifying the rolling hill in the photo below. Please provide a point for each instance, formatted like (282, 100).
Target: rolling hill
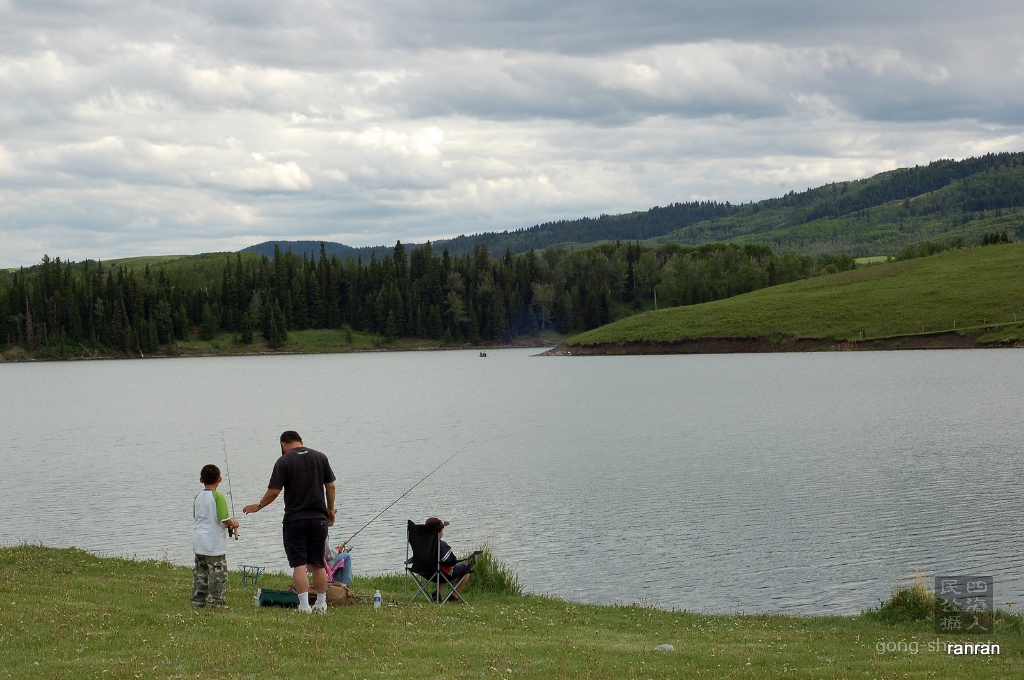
(880, 215)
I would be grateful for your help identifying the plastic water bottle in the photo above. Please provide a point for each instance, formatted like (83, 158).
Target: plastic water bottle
(376, 600)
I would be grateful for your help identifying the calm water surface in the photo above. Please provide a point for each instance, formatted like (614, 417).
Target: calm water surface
(802, 483)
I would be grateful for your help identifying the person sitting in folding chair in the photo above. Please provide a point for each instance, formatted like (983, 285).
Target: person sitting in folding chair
(434, 562)
(339, 563)
(457, 571)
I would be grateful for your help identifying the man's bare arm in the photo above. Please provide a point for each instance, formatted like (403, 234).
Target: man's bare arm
(267, 499)
(329, 488)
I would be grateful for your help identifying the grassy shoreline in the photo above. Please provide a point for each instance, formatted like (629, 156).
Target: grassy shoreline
(315, 341)
(68, 613)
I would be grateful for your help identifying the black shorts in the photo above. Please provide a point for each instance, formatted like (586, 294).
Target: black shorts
(305, 542)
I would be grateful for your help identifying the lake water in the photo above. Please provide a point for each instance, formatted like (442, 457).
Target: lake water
(799, 483)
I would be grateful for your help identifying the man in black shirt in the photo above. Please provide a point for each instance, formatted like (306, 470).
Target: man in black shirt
(308, 483)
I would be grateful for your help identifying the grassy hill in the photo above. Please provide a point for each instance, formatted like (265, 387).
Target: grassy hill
(70, 614)
(199, 264)
(978, 292)
(880, 215)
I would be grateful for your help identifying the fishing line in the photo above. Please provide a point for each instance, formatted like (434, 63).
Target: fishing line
(405, 494)
(227, 473)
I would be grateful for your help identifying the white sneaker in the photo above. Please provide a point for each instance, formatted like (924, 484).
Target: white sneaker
(305, 610)
(319, 607)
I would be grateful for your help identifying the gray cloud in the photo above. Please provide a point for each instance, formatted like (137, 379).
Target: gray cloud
(143, 127)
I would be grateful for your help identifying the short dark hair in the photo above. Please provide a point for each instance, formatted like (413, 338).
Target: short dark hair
(209, 474)
(289, 436)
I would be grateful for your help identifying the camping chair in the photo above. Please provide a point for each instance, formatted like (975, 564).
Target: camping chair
(331, 571)
(423, 566)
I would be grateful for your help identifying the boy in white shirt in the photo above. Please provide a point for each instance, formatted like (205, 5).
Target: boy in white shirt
(210, 541)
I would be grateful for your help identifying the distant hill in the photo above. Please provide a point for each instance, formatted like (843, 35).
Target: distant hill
(312, 248)
(875, 216)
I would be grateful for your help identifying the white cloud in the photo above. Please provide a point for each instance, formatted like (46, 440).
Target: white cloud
(422, 143)
(143, 127)
(264, 174)
(7, 166)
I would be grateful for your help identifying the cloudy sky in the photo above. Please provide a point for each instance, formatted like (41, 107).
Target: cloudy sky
(130, 127)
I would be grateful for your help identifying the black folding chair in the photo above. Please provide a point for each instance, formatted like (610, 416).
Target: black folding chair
(423, 565)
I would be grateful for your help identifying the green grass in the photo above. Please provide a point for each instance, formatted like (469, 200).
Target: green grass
(331, 340)
(316, 340)
(968, 289)
(491, 575)
(139, 262)
(198, 261)
(311, 341)
(66, 613)
(912, 604)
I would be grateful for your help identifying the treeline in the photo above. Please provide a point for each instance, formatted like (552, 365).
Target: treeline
(635, 226)
(422, 294)
(929, 248)
(995, 238)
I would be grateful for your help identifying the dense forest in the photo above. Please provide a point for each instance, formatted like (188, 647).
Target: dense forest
(422, 293)
(879, 215)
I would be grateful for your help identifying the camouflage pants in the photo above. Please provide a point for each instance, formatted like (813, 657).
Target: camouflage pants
(209, 580)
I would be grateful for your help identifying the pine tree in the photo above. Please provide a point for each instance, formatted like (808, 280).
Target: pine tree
(246, 330)
(208, 328)
(181, 323)
(278, 331)
(268, 325)
(271, 333)
(391, 327)
(434, 327)
(282, 326)
(152, 336)
(164, 322)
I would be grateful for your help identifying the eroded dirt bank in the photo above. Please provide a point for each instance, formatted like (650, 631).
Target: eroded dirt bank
(943, 340)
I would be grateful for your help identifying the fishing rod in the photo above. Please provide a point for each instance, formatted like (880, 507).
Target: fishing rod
(404, 494)
(227, 473)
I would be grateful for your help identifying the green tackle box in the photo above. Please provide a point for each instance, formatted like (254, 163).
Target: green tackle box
(266, 597)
